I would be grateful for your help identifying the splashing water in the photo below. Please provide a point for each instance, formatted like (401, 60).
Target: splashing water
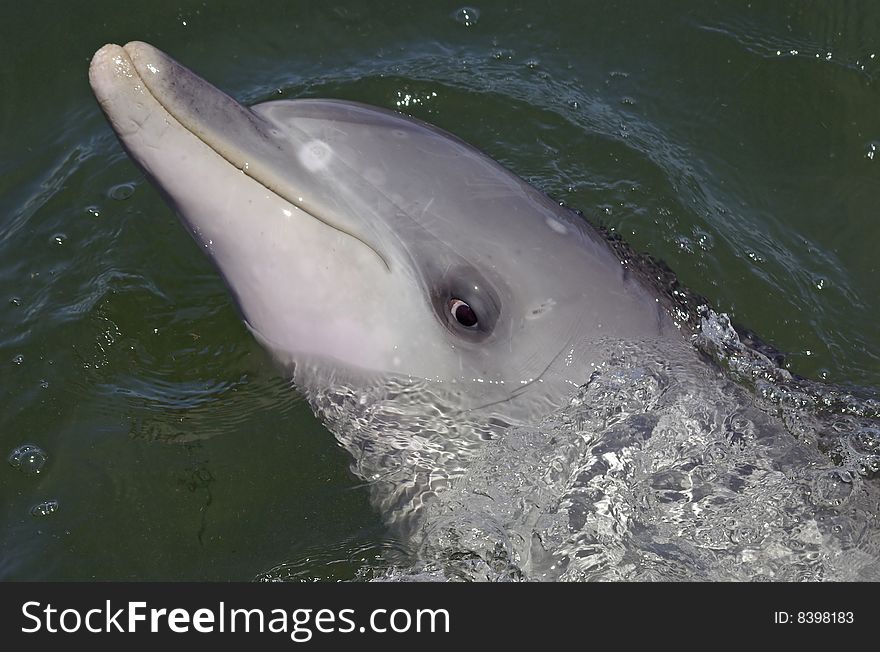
(662, 466)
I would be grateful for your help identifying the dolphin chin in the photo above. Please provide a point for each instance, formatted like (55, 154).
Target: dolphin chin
(362, 243)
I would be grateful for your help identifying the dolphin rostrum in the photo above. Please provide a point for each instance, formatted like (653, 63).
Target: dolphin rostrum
(362, 244)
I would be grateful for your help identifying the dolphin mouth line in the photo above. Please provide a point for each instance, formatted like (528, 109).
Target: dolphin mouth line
(243, 166)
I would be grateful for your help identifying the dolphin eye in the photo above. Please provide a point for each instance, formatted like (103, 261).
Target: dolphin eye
(463, 313)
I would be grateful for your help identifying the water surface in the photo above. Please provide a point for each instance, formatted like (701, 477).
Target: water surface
(733, 140)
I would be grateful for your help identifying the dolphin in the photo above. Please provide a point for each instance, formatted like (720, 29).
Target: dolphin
(363, 244)
(424, 299)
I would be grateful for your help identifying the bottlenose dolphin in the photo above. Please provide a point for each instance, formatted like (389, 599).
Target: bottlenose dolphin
(360, 242)
(426, 300)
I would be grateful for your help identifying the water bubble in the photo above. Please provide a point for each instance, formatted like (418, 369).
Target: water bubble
(44, 383)
(867, 440)
(704, 239)
(684, 244)
(745, 535)
(93, 211)
(831, 488)
(871, 150)
(716, 452)
(28, 458)
(15, 301)
(869, 466)
(59, 239)
(19, 359)
(45, 508)
(467, 16)
(121, 192)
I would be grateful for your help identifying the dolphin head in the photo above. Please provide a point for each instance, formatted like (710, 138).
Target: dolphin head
(357, 239)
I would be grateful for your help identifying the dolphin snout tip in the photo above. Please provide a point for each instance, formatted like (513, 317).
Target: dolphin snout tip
(105, 53)
(113, 58)
(139, 47)
(105, 59)
(114, 80)
(145, 57)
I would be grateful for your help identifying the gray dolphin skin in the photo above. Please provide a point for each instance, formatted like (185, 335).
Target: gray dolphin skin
(361, 243)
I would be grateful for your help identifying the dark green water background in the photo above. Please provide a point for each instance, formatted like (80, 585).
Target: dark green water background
(734, 140)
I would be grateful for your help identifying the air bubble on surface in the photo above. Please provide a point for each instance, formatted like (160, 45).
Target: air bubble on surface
(467, 16)
(45, 508)
(28, 458)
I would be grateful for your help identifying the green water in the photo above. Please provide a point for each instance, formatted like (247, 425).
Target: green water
(734, 140)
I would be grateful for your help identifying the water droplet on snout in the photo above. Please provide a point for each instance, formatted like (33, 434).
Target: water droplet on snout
(467, 16)
(28, 458)
(45, 508)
